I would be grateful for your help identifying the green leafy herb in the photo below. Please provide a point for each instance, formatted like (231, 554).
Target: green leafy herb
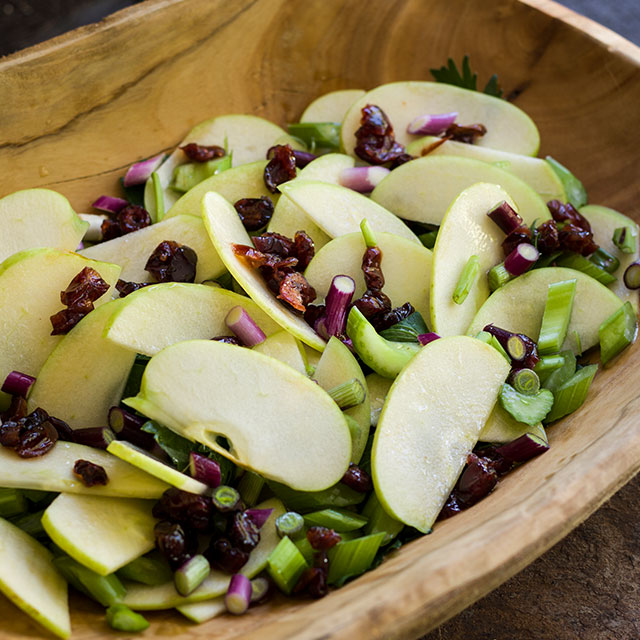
(450, 74)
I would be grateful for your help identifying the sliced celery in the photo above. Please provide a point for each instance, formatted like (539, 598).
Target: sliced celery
(325, 135)
(158, 195)
(367, 234)
(250, 487)
(107, 590)
(625, 239)
(466, 280)
(31, 523)
(580, 263)
(526, 408)
(121, 618)
(340, 495)
(350, 558)
(562, 373)
(12, 503)
(186, 176)
(348, 394)
(548, 260)
(305, 548)
(526, 381)
(498, 276)
(191, 574)
(557, 313)
(290, 524)
(380, 521)
(547, 365)
(339, 520)
(603, 259)
(150, 569)
(571, 395)
(576, 193)
(285, 565)
(617, 332)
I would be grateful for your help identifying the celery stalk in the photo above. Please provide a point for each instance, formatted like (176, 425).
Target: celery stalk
(572, 394)
(498, 276)
(466, 280)
(339, 520)
(580, 263)
(350, 558)
(380, 521)
(557, 313)
(146, 570)
(561, 374)
(617, 332)
(158, 195)
(348, 394)
(285, 565)
(107, 590)
(250, 487)
(12, 503)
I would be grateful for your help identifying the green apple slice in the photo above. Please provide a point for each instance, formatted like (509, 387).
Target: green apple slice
(146, 462)
(284, 347)
(604, 221)
(200, 612)
(422, 190)
(225, 228)
(29, 579)
(332, 106)
(288, 217)
(85, 374)
(519, 305)
(132, 251)
(378, 391)
(430, 422)
(466, 231)
(501, 427)
(343, 256)
(101, 533)
(142, 597)
(38, 218)
(54, 472)
(338, 365)
(508, 128)
(155, 317)
(30, 286)
(246, 137)
(245, 181)
(338, 210)
(280, 424)
(534, 171)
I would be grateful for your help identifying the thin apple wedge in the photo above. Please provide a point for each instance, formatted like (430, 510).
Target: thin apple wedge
(101, 533)
(280, 424)
(501, 427)
(85, 374)
(338, 210)
(430, 422)
(508, 128)
(38, 218)
(332, 106)
(422, 190)
(519, 306)
(29, 579)
(343, 256)
(226, 229)
(132, 250)
(155, 317)
(284, 347)
(54, 472)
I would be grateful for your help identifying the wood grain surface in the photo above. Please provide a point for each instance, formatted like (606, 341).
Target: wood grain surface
(79, 109)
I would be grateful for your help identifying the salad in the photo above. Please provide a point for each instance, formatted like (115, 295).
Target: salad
(277, 356)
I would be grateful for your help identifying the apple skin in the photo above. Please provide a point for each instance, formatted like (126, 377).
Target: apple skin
(332, 106)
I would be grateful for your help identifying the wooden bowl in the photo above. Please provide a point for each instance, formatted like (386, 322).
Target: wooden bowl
(79, 109)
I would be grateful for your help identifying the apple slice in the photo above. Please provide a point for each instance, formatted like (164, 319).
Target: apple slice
(534, 171)
(338, 365)
(246, 137)
(422, 190)
(343, 256)
(378, 391)
(430, 423)
(284, 347)
(146, 462)
(29, 579)
(604, 222)
(225, 229)
(289, 217)
(246, 181)
(466, 230)
(501, 428)
(508, 128)
(85, 374)
(332, 106)
(200, 612)
(280, 424)
(132, 251)
(147, 598)
(519, 305)
(338, 210)
(38, 218)
(101, 533)
(54, 472)
(30, 286)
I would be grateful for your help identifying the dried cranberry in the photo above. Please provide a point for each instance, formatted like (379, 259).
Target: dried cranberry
(322, 538)
(312, 581)
(304, 249)
(313, 313)
(451, 507)
(125, 288)
(372, 304)
(36, 440)
(498, 462)
(175, 544)
(17, 409)
(110, 229)
(63, 321)
(574, 238)
(65, 432)
(185, 508)
(274, 243)
(465, 133)
(85, 288)
(133, 218)
(403, 158)
(243, 532)
(562, 212)
(375, 140)
(228, 340)
(280, 168)
(357, 479)
(10, 433)
(255, 213)
(296, 291)
(224, 556)
(172, 262)
(477, 480)
(372, 269)
(91, 474)
(201, 153)
(547, 237)
(520, 235)
(386, 319)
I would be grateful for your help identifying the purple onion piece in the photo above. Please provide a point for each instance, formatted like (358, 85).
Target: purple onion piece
(426, 338)
(259, 516)
(97, 437)
(632, 275)
(18, 384)
(80, 246)
(432, 124)
(523, 448)
(505, 217)
(521, 259)
(140, 172)
(303, 158)
(362, 179)
(261, 589)
(109, 204)
(204, 469)
(245, 329)
(334, 319)
(238, 595)
(477, 480)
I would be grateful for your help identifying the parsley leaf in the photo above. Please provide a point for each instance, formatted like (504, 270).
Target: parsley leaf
(450, 74)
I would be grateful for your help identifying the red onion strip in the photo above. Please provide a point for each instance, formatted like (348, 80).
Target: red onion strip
(109, 204)
(432, 124)
(204, 469)
(140, 172)
(362, 179)
(259, 516)
(426, 338)
(244, 328)
(522, 258)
